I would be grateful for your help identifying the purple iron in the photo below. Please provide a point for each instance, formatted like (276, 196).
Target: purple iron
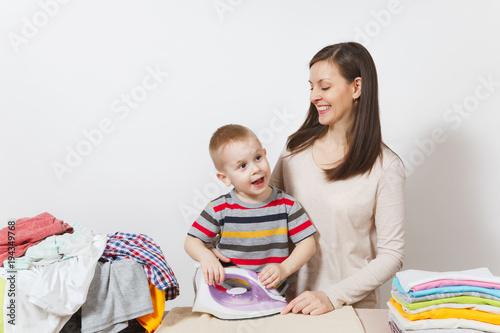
(237, 302)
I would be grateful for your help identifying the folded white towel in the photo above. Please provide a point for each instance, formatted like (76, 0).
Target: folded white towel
(413, 277)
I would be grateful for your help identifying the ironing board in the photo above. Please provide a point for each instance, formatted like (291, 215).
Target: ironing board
(182, 319)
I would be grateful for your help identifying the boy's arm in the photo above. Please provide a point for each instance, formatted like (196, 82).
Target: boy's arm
(211, 267)
(272, 274)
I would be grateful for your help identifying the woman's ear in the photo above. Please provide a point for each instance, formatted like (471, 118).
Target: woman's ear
(223, 178)
(356, 88)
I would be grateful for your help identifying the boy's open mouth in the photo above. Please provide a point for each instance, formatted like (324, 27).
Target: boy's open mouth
(258, 182)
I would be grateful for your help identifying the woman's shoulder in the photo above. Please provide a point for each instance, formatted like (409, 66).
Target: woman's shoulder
(287, 154)
(389, 159)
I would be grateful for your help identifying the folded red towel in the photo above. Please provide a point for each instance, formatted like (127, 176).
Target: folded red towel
(29, 231)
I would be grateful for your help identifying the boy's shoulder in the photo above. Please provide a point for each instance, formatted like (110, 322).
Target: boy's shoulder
(280, 194)
(223, 198)
(228, 199)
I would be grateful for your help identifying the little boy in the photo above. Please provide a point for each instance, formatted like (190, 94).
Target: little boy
(254, 220)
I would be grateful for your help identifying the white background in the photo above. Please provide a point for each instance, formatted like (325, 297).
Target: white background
(68, 67)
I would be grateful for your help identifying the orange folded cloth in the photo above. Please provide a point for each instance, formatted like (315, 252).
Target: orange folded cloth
(151, 321)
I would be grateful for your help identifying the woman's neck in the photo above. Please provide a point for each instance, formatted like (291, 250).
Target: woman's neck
(338, 131)
(335, 137)
(329, 150)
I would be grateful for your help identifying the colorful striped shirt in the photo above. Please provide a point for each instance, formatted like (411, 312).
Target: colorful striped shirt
(253, 235)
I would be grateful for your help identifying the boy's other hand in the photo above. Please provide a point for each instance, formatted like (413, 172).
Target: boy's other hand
(213, 272)
(271, 275)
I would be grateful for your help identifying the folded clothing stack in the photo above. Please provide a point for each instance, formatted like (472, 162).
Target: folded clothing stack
(461, 301)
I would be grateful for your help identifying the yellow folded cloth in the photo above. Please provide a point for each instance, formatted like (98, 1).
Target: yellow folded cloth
(446, 313)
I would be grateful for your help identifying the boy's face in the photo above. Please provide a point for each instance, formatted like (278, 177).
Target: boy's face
(244, 165)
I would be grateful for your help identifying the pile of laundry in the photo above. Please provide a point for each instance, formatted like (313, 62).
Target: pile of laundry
(63, 277)
(462, 301)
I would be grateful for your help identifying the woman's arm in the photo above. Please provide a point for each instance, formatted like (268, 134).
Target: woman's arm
(277, 174)
(389, 217)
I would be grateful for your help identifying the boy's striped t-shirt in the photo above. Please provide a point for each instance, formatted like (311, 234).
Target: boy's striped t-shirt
(253, 235)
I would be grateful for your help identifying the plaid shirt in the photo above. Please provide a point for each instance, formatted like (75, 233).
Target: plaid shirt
(146, 252)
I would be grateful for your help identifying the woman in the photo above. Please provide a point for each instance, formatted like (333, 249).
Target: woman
(350, 184)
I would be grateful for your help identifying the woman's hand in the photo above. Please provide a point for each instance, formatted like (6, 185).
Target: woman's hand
(309, 302)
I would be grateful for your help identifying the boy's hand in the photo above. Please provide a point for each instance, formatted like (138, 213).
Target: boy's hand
(213, 272)
(271, 275)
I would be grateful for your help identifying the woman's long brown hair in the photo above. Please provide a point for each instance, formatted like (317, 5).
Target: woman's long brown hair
(365, 138)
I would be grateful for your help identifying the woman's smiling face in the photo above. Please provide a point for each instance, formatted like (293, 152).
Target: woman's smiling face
(332, 95)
